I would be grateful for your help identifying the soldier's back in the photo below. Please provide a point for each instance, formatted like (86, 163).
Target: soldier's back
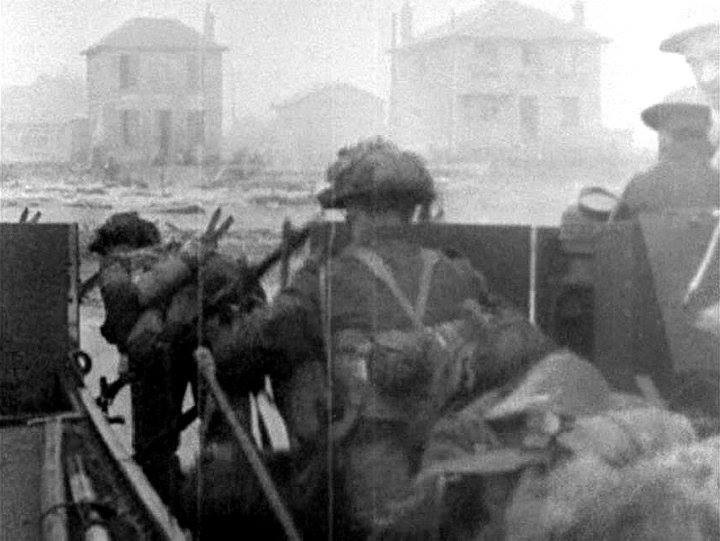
(673, 184)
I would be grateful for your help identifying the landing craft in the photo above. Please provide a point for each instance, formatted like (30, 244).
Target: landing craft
(614, 292)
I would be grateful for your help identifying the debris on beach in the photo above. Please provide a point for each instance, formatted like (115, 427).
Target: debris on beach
(177, 209)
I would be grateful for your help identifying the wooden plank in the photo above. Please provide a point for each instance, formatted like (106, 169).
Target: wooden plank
(52, 488)
(21, 455)
(133, 473)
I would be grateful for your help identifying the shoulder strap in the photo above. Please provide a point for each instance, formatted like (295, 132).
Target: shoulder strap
(381, 271)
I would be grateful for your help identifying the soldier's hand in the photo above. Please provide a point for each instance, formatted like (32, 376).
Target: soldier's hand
(199, 249)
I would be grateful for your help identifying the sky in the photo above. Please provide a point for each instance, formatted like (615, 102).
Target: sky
(280, 47)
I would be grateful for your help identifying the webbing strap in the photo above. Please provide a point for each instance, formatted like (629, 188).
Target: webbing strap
(381, 271)
(430, 259)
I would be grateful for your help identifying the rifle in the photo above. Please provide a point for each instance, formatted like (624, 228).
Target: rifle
(292, 241)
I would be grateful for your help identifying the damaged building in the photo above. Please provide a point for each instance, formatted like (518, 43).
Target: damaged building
(155, 92)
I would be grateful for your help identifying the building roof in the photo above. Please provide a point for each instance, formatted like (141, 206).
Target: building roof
(338, 89)
(153, 34)
(506, 19)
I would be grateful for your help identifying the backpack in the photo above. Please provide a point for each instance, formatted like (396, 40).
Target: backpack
(389, 374)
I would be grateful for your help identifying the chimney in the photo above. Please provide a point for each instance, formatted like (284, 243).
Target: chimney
(209, 24)
(579, 13)
(406, 23)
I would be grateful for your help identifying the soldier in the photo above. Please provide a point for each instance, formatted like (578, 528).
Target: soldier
(150, 310)
(701, 48)
(340, 301)
(683, 176)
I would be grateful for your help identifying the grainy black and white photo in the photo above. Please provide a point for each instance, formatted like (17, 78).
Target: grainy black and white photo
(360, 270)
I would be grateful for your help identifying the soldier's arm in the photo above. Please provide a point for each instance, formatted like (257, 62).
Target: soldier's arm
(271, 339)
(120, 301)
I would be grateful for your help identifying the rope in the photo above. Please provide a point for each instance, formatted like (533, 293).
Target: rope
(206, 367)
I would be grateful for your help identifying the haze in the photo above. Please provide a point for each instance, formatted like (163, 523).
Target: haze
(279, 47)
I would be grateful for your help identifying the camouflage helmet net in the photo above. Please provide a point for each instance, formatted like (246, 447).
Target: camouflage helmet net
(377, 173)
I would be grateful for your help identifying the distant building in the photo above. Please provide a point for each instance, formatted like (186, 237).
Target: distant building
(502, 76)
(44, 121)
(155, 91)
(310, 127)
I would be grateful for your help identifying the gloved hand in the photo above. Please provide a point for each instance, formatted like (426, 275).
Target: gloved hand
(195, 251)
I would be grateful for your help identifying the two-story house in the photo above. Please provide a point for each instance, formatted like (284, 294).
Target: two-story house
(155, 91)
(504, 76)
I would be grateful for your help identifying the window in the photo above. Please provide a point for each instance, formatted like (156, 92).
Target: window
(130, 124)
(531, 56)
(128, 75)
(486, 56)
(483, 107)
(193, 71)
(575, 59)
(196, 127)
(529, 115)
(569, 112)
(35, 137)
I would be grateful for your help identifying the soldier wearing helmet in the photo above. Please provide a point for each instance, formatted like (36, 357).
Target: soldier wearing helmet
(700, 45)
(701, 48)
(296, 338)
(683, 177)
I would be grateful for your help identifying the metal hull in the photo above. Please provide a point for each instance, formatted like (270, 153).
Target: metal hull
(48, 418)
(49, 423)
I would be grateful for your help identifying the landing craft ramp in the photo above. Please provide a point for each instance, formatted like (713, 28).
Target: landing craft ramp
(48, 420)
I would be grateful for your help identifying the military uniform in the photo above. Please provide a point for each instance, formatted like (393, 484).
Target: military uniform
(158, 340)
(683, 177)
(332, 295)
(381, 454)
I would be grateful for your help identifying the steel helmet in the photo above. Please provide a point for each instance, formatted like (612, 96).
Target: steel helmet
(377, 173)
(673, 117)
(683, 42)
